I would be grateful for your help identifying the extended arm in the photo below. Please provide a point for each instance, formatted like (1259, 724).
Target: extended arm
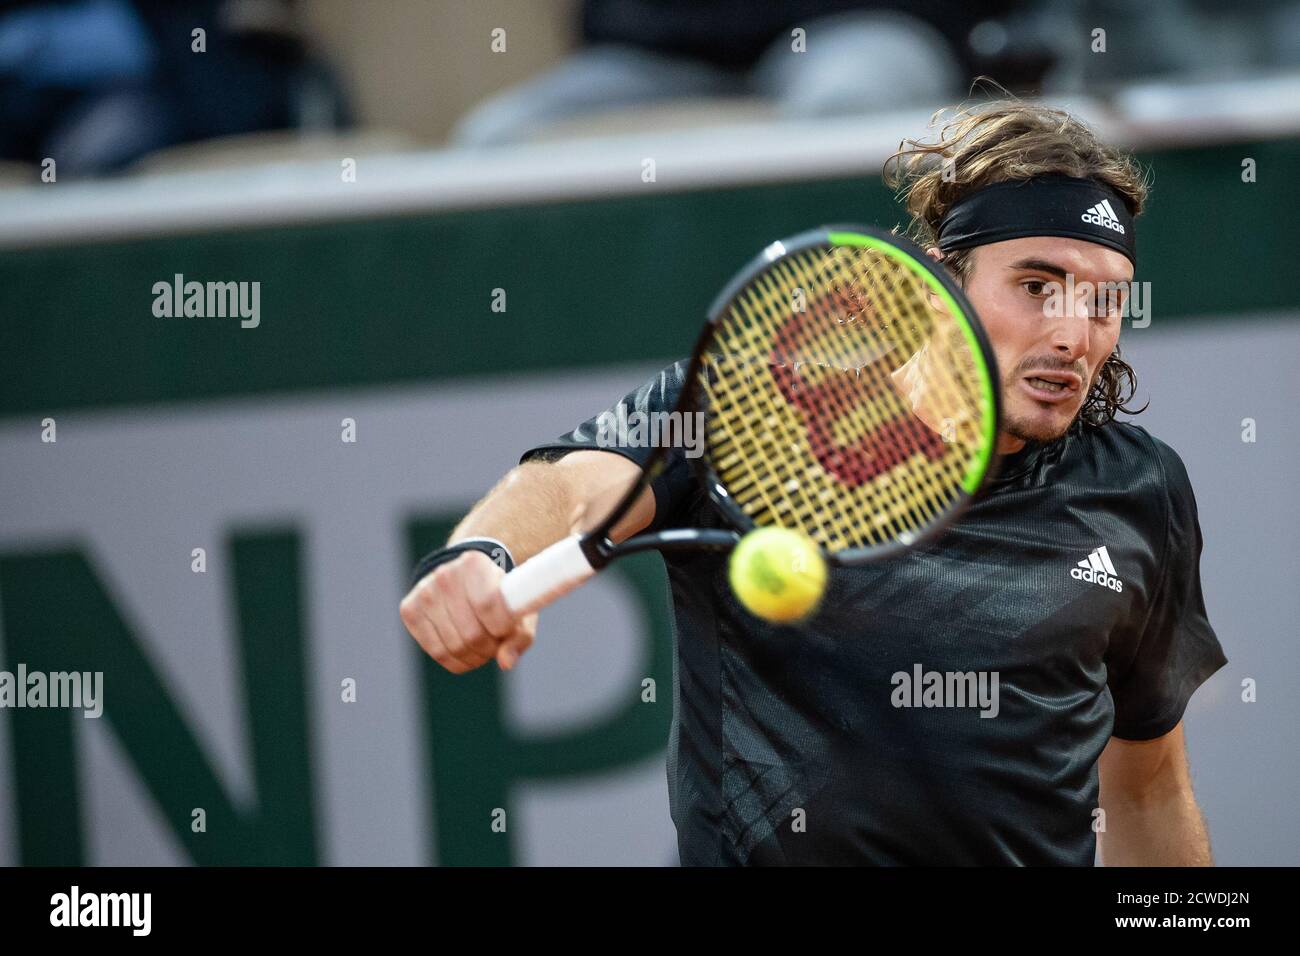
(538, 503)
(456, 612)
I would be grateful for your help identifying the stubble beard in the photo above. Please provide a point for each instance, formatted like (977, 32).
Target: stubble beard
(1027, 430)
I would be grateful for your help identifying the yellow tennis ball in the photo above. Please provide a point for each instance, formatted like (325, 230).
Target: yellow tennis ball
(778, 574)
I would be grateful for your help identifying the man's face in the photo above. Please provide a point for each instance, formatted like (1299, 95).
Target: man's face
(1050, 347)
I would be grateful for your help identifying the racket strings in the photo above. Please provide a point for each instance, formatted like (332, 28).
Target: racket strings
(861, 421)
(841, 400)
(902, 287)
(900, 487)
(757, 425)
(835, 359)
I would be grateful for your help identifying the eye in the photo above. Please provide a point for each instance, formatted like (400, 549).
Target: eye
(1034, 287)
(1109, 307)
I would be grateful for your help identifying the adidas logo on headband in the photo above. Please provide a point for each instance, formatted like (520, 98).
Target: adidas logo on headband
(1103, 215)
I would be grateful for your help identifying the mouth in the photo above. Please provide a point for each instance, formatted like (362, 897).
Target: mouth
(1052, 387)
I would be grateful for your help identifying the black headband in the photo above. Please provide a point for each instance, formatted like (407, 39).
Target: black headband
(1049, 205)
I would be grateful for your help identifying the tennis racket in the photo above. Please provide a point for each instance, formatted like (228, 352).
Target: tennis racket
(847, 391)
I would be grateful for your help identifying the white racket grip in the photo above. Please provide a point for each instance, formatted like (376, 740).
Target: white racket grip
(546, 576)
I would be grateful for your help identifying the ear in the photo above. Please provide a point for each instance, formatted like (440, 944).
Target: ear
(934, 253)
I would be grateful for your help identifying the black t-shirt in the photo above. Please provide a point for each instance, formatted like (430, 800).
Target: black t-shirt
(1073, 580)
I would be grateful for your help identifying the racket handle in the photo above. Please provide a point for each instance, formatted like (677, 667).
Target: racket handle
(546, 576)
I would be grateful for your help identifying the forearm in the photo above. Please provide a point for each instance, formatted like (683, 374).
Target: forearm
(1166, 830)
(538, 503)
(528, 509)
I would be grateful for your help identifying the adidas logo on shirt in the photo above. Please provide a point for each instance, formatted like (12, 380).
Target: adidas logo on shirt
(1097, 569)
(1103, 214)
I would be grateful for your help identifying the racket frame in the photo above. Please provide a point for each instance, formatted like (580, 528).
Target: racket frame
(599, 549)
(963, 313)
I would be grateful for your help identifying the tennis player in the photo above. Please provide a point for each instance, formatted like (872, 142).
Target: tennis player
(1070, 590)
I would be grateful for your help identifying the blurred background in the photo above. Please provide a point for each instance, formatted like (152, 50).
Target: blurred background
(469, 226)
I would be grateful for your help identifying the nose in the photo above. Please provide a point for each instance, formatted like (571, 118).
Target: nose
(1069, 333)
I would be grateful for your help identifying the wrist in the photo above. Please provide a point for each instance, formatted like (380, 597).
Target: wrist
(492, 547)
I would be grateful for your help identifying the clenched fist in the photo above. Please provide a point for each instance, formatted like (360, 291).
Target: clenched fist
(457, 615)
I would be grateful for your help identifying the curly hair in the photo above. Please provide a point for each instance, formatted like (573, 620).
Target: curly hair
(1003, 140)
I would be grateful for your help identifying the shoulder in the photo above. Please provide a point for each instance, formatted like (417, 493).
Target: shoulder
(658, 393)
(1154, 452)
(661, 390)
(1136, 451)
(1146, 466)
(1129, 459)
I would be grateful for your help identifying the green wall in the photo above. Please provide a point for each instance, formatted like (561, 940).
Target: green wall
(592, 282)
